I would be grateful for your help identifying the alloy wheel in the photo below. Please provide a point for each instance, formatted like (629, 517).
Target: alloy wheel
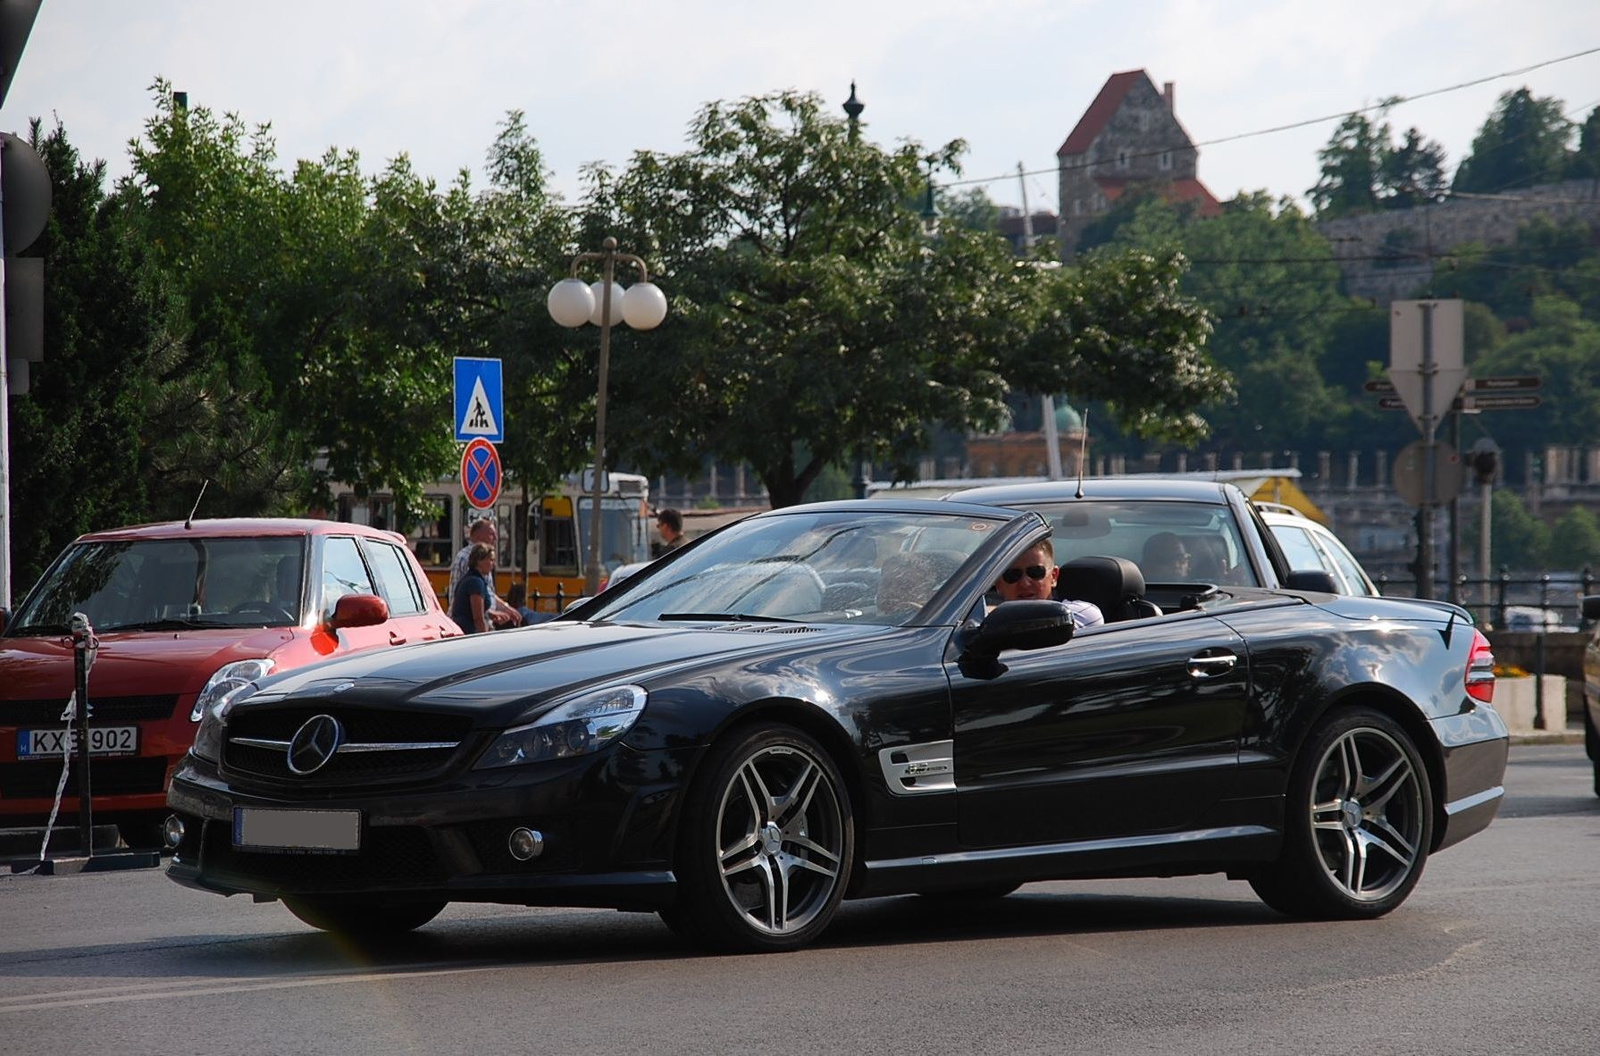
(1367, 814)
(781, 839)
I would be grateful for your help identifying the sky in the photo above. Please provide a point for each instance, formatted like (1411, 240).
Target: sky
(434, 78)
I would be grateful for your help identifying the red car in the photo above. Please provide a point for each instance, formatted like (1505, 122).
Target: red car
(184, 614)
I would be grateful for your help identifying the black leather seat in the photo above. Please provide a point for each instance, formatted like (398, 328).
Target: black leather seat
(1113, 584)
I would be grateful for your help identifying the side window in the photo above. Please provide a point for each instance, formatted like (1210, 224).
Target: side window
(1354, 578)
(343, 572)
(1299, 549)
(396, 583)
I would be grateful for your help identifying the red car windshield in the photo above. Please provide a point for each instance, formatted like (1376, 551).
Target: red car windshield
(160, 584)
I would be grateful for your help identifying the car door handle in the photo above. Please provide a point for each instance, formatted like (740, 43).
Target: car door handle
(1211, 663)
(396, 638)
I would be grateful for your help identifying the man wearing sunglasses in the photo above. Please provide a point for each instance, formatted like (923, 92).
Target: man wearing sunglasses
(1032, 576)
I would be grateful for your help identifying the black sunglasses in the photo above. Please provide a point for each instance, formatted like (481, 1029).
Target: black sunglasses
(1011, 575)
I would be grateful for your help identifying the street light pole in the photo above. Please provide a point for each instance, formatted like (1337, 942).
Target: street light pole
(571, 303)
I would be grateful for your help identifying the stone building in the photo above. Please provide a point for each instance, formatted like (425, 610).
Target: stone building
(1129, 135)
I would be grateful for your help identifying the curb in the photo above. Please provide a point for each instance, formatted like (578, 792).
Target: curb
(1570, 735)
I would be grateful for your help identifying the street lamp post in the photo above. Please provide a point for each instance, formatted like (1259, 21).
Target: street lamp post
(572, 303)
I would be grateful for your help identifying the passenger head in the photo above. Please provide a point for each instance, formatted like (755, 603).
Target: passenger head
(483, 530)
(480, 552)
(1166, 560)
(669, 522)
(1031, 575)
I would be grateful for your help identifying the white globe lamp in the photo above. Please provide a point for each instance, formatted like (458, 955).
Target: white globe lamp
(644, 306)
(598, 291)
(570, 302)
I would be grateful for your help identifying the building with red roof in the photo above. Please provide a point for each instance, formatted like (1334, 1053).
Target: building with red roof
(1130, 136)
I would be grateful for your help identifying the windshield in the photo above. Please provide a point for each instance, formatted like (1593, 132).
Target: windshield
(1171, 542)
(157, 584)
(823, 567)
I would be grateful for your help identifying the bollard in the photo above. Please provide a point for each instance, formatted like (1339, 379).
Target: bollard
(1538, 680)
(83, 643)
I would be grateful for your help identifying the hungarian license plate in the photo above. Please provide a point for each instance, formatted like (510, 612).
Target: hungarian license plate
(303, 831)
(103, 740)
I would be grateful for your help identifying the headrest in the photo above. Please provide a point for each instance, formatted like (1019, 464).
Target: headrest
(1105, 581)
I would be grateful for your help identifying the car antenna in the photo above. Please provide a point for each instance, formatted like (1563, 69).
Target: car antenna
(1083, 452)
(187, 525)
(1449, 626)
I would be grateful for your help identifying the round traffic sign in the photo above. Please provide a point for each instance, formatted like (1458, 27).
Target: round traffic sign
(1410, 481)
(480, 473)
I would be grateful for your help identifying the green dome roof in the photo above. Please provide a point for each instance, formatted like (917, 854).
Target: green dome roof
(1067, 419)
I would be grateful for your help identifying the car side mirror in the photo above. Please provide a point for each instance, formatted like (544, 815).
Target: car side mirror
(1020, 625)
(1314, 580)
(358, 610)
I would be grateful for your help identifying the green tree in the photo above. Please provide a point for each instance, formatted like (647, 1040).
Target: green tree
(1518, 539)
(812, 317)
(1523, 143)
(1584, 164)
(1412, 173)
(1352, 165)
(1575, 540)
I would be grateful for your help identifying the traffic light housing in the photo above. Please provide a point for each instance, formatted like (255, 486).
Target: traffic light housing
(1484, 465)
(24, 209)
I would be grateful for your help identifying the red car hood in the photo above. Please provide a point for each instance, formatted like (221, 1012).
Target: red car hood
(133, 664)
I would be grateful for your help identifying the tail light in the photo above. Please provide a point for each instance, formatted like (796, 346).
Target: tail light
(1480, 669)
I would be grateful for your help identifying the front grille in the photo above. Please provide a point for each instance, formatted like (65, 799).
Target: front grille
(280, 724)
(107, 777)
(360, 727)
(388, 855)
(103, 709)
(344, 767)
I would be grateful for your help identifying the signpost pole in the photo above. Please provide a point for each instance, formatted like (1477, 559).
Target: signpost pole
(1429, 431)
(1455, 518)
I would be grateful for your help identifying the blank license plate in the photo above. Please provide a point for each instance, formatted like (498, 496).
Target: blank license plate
(103, 740)
(308, 831)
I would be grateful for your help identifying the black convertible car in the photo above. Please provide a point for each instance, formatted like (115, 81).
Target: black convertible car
(824, 702)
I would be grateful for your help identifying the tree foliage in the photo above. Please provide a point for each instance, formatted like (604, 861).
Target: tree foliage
(813, 318)
(1364, 170)
(1523, 143)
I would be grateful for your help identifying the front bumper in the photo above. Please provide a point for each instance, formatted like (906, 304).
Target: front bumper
(607, 822)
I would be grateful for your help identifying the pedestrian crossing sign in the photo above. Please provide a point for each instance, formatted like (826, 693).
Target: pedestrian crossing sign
(480, 411)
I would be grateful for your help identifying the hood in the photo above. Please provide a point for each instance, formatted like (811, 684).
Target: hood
(501, 677)
(135, 663)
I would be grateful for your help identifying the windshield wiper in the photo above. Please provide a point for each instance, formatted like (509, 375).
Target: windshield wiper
(723, 617)
(170, 623)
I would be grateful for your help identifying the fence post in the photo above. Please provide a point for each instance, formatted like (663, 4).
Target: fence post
(1500, 603)
(1538, 680)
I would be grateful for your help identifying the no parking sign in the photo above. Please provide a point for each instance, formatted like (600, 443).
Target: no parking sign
(480, 474)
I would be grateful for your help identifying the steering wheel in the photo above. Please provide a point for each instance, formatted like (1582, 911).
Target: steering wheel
(265, 607)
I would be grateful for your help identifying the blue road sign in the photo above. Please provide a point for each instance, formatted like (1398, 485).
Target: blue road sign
(480, 412)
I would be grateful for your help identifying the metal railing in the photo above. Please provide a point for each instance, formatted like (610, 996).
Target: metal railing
(1560, 594)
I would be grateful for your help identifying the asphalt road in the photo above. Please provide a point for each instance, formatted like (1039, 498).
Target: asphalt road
(1496, 952)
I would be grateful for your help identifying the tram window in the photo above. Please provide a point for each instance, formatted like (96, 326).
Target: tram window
(558, 545)
(435, 546)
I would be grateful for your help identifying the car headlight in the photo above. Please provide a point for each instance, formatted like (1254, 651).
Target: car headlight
(584, 724)
(214, 720)
(229, 679)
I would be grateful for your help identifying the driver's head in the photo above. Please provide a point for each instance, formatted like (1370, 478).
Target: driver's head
(1031, 575)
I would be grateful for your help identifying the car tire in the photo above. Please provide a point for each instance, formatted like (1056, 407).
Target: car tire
(765, 843)
(362, 918)
(1358, 821)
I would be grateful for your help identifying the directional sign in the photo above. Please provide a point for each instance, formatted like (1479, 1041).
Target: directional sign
(1476, 401)
(1504, 382)
(480, 413)
(1501, 401)
(1380, 385)
(480, 474)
